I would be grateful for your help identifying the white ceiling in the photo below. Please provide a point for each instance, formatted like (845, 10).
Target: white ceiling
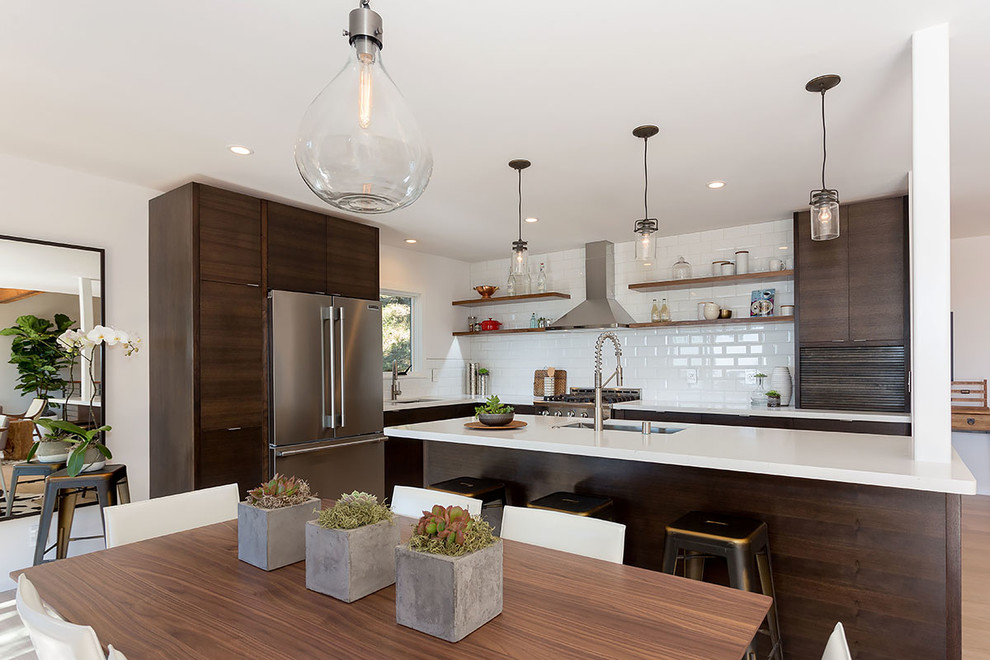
(152, 92)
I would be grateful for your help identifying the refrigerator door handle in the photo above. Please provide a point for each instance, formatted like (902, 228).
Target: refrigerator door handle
(326, 368)
(343, 372)
(293, 452)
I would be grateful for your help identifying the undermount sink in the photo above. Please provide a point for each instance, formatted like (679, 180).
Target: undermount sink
(619, 426)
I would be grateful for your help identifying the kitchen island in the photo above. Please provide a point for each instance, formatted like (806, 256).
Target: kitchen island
(859, 531)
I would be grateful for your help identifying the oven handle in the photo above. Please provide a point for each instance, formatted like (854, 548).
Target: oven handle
(294, 452)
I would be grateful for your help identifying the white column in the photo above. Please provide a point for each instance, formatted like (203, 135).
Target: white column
(85, 324)
(930, 246)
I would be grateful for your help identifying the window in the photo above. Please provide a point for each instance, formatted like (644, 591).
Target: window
(397, 330)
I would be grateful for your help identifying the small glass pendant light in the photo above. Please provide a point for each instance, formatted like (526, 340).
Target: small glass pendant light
(359, 147)
(824, 202)
(646, 228)
(520, 249)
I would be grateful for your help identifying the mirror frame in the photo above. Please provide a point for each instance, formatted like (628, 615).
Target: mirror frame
(103, 304)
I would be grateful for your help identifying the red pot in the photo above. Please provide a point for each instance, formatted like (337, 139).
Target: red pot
(490, 324)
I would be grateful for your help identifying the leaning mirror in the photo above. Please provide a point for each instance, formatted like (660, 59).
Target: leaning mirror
(45, 289)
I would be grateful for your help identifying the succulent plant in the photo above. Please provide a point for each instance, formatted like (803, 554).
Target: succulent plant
(773, 393)
(280, 492)
(451, 531)
(492, 406)
(353, 510)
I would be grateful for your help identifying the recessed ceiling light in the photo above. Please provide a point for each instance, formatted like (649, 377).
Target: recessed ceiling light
(410, 240)
(532, 220)
(240, 150)
(715, 185)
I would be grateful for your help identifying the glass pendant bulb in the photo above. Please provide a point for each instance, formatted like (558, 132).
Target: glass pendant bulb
(646, 229)
(520, 258)
(359, 147)
(824, 202)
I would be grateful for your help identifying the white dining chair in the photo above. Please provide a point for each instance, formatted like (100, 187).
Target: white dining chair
(837, 647)
(53, 638)
(114, 654)
(579, 535)
(411, 502)
(147, 519)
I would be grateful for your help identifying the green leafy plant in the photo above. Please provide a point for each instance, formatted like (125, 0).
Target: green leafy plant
(36, 352)
(483, 371)
(280, 492)
(451, 531)
(493, 406)
(759, 375)
(773, 393)
(81, 438)
(355, 510)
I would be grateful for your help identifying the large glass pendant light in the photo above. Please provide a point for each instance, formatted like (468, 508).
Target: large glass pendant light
(359, 147)
(520, 258)
(646, 229)
(824, 202)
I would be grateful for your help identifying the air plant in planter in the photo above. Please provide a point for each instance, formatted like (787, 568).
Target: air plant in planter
(449, 576)
(773, 399)
(350, 548)
(271, 522)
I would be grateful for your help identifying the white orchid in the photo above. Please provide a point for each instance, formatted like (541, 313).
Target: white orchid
(117, 337)
(98, 334)
(70, 339)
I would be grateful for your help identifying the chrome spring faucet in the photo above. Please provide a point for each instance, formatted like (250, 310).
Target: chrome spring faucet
(617, 374)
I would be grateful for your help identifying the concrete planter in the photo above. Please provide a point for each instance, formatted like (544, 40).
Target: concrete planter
(349, 564)
(273, 538)
(448, 597)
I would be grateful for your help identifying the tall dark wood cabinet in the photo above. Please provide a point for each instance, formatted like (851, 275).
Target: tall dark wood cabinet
(853, 310)
(213, 256)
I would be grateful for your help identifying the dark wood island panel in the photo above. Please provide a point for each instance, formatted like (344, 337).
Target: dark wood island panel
(884, 561)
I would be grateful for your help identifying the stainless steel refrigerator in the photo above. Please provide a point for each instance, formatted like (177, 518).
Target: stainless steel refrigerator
(326, 392)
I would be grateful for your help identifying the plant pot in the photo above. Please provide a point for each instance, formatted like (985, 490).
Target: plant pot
(780, 380)
(93, 460)
(773, 402)
(448, 597)
(349, 564)
(500, 419)
(52, 451)
(273, 538)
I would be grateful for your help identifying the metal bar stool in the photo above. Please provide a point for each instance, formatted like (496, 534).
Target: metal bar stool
(491, 492)
(111, 487)
(594, 506)
(28, 469)
(742, 542)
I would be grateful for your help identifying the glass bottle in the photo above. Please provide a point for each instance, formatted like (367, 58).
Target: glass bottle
(758, 397)
(655, 312)
(541, 280)
(664, 312)
(510, 284)
(532, 320)
(524, 283)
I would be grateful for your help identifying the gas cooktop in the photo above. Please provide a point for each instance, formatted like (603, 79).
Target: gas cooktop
(587, 395)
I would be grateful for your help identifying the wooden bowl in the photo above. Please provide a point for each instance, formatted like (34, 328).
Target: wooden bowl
(486, 291)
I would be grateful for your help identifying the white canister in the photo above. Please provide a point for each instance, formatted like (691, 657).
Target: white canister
(742, 262)
(711, 311)
(787, 310)
(717, 267)
(728, 268)
(789, 263)
(780, 380)
(701, 311)
(776, 264)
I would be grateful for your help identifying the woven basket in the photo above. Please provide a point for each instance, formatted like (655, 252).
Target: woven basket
(559, 383)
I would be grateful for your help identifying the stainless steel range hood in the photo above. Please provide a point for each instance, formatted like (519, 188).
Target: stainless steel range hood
(600, 310)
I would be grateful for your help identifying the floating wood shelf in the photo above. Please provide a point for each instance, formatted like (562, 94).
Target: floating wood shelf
(713, 281)
(499, 300)
(498, 332)
(739, 319)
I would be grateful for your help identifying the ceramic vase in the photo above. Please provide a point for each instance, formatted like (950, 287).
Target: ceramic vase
(780, 380)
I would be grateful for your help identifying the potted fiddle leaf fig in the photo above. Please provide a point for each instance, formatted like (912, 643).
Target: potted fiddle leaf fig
(271, 522)
(449, 576)
(773, 399)
(87, 451)
(350, 548)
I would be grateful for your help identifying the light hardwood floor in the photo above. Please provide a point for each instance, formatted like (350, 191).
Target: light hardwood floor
(14, 644)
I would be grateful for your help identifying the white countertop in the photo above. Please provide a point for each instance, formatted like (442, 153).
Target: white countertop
(876, 460)
(740, 409)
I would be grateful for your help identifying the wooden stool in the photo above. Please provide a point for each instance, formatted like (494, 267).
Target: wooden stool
(111, 486)
(594, 506)
(31, 469)
(742, 542)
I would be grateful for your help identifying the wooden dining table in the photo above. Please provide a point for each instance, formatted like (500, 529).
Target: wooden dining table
(186, 595)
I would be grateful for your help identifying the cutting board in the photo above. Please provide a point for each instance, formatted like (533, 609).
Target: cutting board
(559, 383)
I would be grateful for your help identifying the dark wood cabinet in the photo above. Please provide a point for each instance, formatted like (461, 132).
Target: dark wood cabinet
(231, 455)
(878, 277)
(821, 282)
(229, 236)
(352, 260)
(297, 254)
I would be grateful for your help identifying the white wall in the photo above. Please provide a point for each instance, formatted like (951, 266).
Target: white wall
(57, 204)
(438, 281)
(665, 361)
(971, 350)
(43, 305)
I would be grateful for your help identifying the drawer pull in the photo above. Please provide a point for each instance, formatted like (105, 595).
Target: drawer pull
(234, 428)
(971, 421)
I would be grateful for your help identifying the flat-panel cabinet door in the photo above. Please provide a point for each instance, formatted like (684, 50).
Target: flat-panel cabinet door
(877, 270)
(229, 236)
(231, 455)
(357, 371)
(822, 283)
(297, 256)
(231, 356)
(352, 260)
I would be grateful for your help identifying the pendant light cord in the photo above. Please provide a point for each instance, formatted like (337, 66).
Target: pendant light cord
(520, 204)
(824, 143)
(646, 179)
